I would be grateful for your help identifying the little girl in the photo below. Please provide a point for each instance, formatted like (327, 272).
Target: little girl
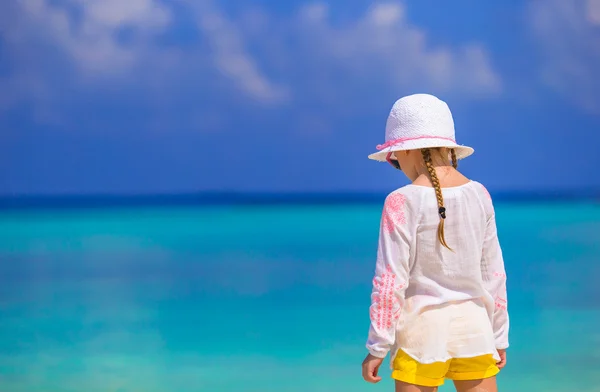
(439, 294)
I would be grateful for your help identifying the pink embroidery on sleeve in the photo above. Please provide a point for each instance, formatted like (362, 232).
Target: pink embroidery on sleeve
(385, 308)
(393, 212)
(499, 275)
(501, 303)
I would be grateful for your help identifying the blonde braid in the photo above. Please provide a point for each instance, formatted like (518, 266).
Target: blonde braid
(438, 192)
(454, 160)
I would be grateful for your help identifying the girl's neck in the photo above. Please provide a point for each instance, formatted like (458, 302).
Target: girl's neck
(447, 176)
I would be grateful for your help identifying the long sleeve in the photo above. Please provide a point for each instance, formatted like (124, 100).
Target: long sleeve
(494, 278)
(391, 274)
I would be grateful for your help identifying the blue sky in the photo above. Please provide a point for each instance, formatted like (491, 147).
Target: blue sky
(156, 96)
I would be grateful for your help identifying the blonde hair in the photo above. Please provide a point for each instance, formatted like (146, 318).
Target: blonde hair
(438, 190)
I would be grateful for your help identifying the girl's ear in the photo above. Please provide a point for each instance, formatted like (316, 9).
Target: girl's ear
(412, 152)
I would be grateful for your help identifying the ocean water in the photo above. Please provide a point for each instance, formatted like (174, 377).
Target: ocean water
(262, 298)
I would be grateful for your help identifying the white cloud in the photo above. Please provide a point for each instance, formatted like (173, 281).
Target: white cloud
(60, 49)
(260, 57)
(382, 44)
(568, 36)
(386, 14)
(231, 57)
(91, 40)
(593, 11)
(315, 12)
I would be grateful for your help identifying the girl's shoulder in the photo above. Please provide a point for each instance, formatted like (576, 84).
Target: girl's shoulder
(409, 191)
(482, 189)
(485, 197)
(407, 199)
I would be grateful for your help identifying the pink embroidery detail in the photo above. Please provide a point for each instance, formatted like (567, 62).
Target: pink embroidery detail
(393, 212)
(393, 142)
(501, 303)
(382, 310)
(499, 275)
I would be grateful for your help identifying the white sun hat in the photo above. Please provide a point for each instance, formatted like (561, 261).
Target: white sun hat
(419, 121)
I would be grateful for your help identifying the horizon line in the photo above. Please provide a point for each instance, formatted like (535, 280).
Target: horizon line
(206, 198)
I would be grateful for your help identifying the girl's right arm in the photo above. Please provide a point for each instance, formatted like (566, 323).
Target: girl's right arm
(391, 273)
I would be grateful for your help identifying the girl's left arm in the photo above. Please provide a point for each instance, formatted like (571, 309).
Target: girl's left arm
(391, 274)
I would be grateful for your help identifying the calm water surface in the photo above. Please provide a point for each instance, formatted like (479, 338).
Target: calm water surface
(261, 298)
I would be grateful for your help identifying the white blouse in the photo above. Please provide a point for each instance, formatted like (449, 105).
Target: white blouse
(431, 302)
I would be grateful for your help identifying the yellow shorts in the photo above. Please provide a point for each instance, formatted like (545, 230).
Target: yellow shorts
(408, 370)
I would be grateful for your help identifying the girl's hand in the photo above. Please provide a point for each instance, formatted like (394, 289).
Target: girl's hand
(370, 367)
(502, 362)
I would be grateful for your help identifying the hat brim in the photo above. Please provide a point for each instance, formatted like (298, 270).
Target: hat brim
(461, 151)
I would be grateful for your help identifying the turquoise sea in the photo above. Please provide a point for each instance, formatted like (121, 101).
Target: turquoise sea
(262, 298)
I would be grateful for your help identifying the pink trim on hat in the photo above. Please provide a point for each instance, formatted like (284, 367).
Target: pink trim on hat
(391, 143)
